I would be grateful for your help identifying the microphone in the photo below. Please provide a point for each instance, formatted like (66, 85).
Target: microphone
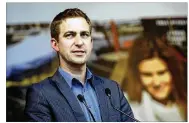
(82, 99)
(108, 93)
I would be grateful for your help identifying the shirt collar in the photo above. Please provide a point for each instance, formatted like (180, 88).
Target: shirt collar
(89, 75)
(69, 78)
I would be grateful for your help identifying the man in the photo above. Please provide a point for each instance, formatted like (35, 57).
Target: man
(56, 98)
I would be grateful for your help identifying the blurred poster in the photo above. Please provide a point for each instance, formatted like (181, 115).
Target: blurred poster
(174, 29)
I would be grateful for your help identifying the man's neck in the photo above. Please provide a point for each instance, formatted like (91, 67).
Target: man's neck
(77, 71)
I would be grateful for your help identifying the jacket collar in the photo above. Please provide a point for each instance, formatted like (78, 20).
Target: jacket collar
(69, 96)
(66, 91)
(101, 96)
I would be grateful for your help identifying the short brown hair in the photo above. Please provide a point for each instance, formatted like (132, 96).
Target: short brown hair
(68, 13)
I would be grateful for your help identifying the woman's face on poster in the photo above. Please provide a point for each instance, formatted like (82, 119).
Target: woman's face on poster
(156, 78)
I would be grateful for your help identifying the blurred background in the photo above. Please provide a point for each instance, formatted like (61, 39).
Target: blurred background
(30, 58)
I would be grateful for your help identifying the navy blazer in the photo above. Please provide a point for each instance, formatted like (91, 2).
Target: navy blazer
(53, 100)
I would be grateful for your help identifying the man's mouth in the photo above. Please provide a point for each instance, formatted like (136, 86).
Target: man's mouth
(78, 52)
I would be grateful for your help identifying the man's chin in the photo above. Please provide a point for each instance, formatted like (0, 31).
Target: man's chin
(79, 62)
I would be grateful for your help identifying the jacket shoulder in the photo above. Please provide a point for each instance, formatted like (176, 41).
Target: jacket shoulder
(107, 82)
(43, 83)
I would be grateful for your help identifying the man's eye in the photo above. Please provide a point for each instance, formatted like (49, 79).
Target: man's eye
(85, 35)
(69, 36)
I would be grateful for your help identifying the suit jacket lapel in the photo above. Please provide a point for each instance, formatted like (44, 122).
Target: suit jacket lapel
(102, 98)
(69, 95)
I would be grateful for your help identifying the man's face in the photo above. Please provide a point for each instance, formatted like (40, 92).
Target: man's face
(74, 42)
(156, 77)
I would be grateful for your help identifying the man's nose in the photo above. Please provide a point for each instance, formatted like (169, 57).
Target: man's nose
(78, 40)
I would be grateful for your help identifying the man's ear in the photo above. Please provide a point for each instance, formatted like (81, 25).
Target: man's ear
(92, 43)
(54, 44)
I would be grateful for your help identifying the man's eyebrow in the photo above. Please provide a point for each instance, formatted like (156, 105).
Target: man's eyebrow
(85, 32)
(69, 32)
